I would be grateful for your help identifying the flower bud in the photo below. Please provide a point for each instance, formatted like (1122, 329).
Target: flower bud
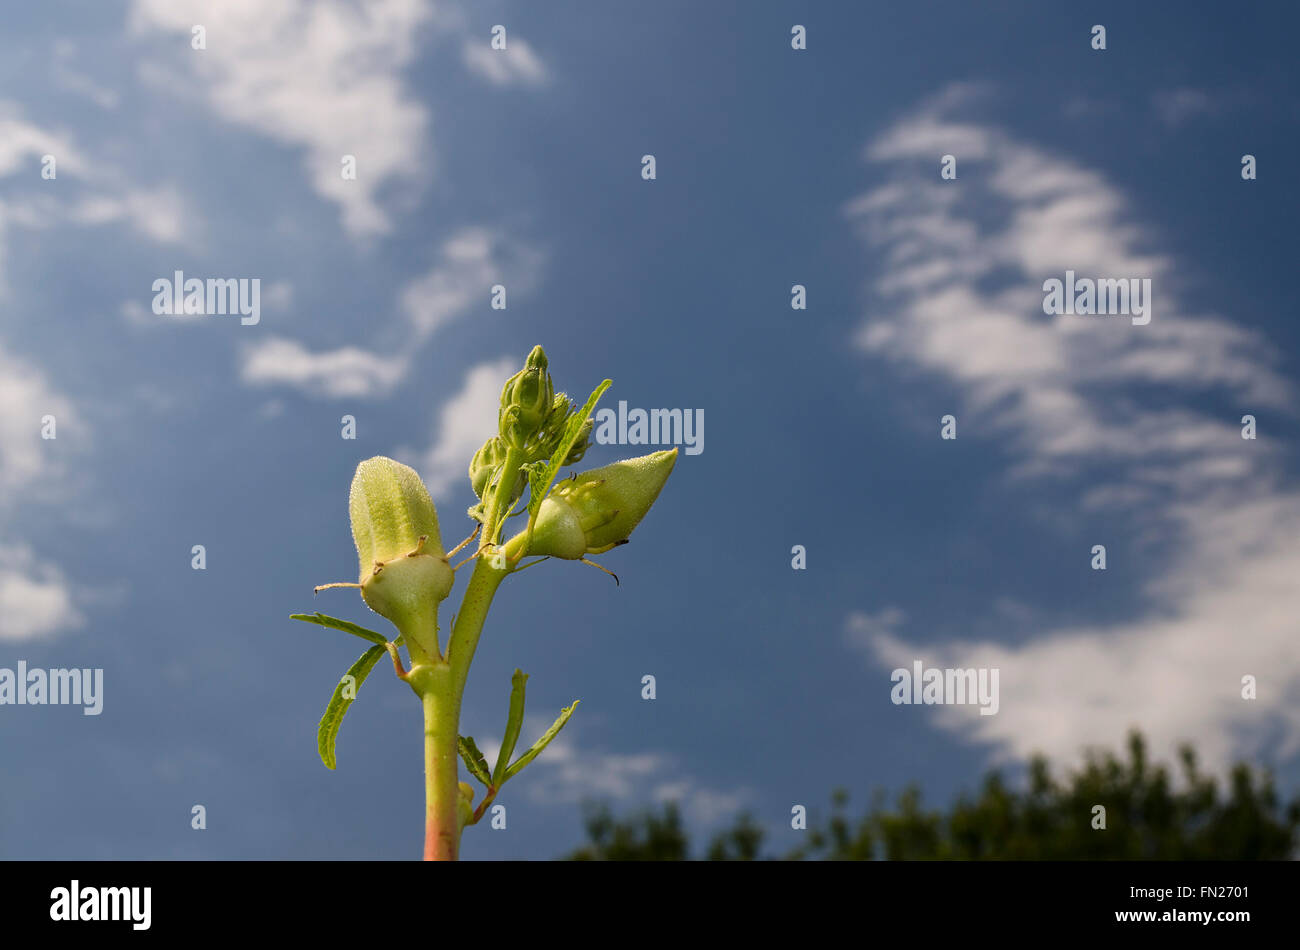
(404, 573)
(548, 440)
(599, 509)
(560, 409)
(579, 447)
(486, 464)
(526, 401)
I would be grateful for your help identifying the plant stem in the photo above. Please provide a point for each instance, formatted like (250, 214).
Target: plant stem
(501, 498)
(441, 687)
(441, 779)
(441, 684)
(483, 584)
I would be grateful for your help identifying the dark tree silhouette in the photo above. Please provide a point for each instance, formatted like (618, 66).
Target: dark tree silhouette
(1146, 817)
(647, 836)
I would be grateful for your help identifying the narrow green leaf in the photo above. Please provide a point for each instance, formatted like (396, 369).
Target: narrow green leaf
(514, 722)
(339, 703)
(345, 626)
(572, 429)
(541, 743)
(474, 760)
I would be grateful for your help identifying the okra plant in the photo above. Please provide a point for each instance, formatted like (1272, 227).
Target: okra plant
(405, 575)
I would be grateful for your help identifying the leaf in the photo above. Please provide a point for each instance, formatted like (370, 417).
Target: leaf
(514, 722)
(338, 705)
(572, 429)
(474, 760)
(324, 621)
(541, 743)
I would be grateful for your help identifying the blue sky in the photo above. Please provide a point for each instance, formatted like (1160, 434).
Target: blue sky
(774, 167)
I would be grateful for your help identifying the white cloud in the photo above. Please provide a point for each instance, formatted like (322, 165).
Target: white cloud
(25, 398)
(158, 213)
(564, 774)
(345, 372)
(321, 75)
(22, 144)
(960, 297)
(1027, 212)
(702, 805)
(35, 599)
(469, 263)
(278, 295)
(1223, 611)
(517, 64)
(67, 77)
(864, 629)
(464, 424)
(101, 195)
(1178, 106)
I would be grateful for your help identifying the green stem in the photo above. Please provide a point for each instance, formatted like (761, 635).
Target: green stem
(442, 823)
(483, 584)
(420, 634)
(441, 687)
(501, 498)
(440, 684)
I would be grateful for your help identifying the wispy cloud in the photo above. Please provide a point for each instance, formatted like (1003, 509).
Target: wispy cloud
(1176, 107)
(865, 629)
(26, 396)
(960, 296)
(321, 75)
(468, 264)
(68, 77)
(516, 65)
(22, 143)
(159, 214)
(466, 267)
(464, 423)
(346, 371)
(85, 190)
(35, 598)
(567, 773)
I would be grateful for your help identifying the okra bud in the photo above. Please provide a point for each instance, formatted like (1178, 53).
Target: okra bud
(486, 464)
(598, 509)
(526, 402)
(404, 573)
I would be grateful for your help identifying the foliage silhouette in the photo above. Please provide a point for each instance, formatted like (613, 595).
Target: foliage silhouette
(1147, 818)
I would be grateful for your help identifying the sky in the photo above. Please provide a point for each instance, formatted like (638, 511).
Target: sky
(523, 167)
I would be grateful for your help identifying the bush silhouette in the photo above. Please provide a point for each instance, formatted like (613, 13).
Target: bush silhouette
(1147, 818)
